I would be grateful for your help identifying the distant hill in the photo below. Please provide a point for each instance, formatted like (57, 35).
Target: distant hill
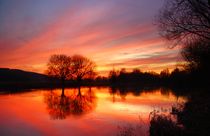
(15, 75)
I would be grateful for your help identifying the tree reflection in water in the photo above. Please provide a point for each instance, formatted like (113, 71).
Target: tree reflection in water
(57, 105)
(118, 91)
(74, 103)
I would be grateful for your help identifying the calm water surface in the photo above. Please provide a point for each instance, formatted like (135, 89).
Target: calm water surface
(90, 111)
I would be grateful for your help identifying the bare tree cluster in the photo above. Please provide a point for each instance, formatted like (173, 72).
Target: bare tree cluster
(76, 67)
(82, 67)
(185, 21)
(58, 66)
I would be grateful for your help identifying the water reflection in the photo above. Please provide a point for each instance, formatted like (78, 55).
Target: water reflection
(58, 106)
(81, 111)
(74, 103)
(123, 92)
(192, 118)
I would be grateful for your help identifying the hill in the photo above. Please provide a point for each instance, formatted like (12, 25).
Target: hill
(16, 75)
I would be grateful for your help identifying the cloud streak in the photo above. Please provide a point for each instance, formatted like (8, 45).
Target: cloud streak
(112, 33)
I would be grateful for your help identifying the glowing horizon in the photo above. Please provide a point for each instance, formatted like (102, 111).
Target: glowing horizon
(114, 34)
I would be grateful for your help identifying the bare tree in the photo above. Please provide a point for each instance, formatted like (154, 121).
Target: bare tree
(185, 21)
(113, 76)
(82, 67)
(165, 73)
(59, 67)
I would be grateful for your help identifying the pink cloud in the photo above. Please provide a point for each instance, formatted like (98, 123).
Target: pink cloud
(100, 33)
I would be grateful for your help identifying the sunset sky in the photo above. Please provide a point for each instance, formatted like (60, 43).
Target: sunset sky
(113, 33)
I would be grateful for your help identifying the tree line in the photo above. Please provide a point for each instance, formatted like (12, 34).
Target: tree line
(179, 77)
(81, 70)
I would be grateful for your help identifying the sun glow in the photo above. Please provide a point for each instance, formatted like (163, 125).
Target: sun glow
(109, 34)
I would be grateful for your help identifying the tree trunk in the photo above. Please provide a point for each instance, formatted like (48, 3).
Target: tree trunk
(63, 86)
(79, 91)
(79, 85)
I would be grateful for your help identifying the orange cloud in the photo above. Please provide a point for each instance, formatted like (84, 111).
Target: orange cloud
(100, 33)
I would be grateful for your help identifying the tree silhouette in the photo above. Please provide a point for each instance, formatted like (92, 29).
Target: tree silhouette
(59, 67)
(187, 23)
(82, 67)
(165, 72)
(197, 55)
(113, 75)
(185, 20)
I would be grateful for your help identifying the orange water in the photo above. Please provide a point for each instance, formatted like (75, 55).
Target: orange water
(93, 111)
